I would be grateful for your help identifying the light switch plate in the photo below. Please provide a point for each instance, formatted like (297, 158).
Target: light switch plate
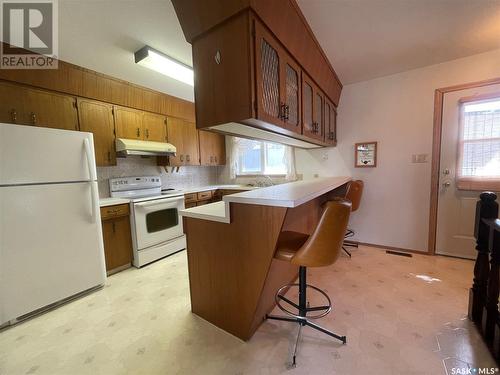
(420, 158)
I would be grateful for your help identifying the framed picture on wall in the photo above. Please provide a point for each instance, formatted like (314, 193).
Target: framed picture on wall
(365, 154)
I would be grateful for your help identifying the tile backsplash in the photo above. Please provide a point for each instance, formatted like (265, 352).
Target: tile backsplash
(187, 177)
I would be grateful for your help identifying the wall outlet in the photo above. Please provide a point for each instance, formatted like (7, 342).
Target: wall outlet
(420, 158)
(315, 175)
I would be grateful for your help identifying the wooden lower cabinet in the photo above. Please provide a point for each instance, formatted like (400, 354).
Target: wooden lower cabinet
(205, 197)
(117, 238)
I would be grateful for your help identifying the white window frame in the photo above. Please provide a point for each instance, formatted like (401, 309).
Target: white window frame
(474, 183)
(263, 159)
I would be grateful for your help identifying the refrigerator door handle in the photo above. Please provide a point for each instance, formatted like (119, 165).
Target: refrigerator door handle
(88, 154)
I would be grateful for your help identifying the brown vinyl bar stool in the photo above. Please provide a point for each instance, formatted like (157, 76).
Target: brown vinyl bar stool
(320, 249)
(353, 195)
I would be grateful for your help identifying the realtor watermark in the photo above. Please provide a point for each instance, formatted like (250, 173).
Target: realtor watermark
(474, 370)
(29, 34)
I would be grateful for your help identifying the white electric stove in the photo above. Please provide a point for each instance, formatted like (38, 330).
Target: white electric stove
(155, 221)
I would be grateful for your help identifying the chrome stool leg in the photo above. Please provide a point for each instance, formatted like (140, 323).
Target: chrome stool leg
(303, 309)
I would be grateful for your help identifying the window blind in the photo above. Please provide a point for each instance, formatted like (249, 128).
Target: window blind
(479, 147)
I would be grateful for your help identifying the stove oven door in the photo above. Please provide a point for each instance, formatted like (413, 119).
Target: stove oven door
(157, 221)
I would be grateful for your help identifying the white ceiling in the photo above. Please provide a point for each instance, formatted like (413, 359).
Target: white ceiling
(103, 35)
(364, 39)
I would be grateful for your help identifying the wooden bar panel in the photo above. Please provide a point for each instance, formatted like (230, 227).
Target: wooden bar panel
(229, 263)
(233, 275)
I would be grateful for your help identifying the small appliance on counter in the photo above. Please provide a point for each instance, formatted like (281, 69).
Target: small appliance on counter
(155, 221)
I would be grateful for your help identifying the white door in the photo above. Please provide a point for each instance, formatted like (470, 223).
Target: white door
(50, 245)
(157, 221)
(456, 208)
(30, 155)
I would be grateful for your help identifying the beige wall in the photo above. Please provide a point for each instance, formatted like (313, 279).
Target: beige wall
(396, 111)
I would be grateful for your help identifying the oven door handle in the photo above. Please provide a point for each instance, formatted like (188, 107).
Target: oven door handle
(157, 202)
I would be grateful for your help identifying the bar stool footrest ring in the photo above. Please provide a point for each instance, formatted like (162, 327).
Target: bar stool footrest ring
(279, 297)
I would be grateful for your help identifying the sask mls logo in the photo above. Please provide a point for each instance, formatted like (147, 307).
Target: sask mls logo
(29, 34)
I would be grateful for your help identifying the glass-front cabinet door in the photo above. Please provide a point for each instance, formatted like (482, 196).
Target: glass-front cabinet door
(307, 107)
(291, 93)
(312, 109)
(319, 104)
(330, 123)
(268, 76)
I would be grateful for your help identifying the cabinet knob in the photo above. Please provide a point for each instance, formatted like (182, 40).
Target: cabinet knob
(138, 132)
(182, 158)
(188, 158)
(331, 136)
(33, 118)
(13, 115)
(147, 133)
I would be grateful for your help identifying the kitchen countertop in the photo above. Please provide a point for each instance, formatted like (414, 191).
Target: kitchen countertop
(290, 195)
(216, 187)
(103, 202)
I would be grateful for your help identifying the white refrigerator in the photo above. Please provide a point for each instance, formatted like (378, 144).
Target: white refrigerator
(50, 227)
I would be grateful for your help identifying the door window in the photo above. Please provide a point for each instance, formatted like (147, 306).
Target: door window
(162, 219)
(479, 146)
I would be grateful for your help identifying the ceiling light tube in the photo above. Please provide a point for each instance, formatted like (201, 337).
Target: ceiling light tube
(155, 60)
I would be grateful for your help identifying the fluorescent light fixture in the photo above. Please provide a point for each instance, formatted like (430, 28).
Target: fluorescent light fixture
(155, 60)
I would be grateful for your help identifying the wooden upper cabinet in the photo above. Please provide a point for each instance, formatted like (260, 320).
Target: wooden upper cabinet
(330, 123)
(155, 127)
(278, 82)
(291, 85)
(51, 110)
(128, 123)
(212, 148)
(312, 109)
(319, 121)
(269, 80)
(12, 104)
(184, 136)
(307, 106)
(97, 118)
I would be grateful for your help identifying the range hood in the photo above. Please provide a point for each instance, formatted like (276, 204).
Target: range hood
(126, 147)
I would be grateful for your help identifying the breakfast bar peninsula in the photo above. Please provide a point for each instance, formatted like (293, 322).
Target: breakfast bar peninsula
(230, 247)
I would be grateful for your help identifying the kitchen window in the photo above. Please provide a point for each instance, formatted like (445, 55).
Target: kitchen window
(252, 158)
(478, 166)
(261, 158)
